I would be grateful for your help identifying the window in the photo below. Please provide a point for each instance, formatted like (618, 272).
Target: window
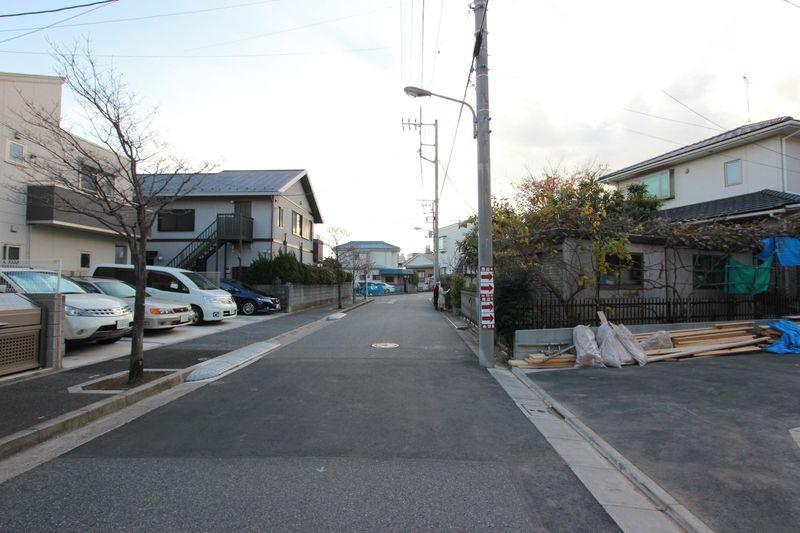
(88, 287)
(151, 256)
(708, 272)
(15, 153)
(164, 282)
(88, 182)
(733, 173)
(309, 229)
(11, 253)
(280, 217)
(659, 184)
(201, 281)
(123, 274)
(117, 289)
(120, 254)
(86, 259)
(624, 274)
(35, 282)
(389, 279)
(176, 220)
(297, 223)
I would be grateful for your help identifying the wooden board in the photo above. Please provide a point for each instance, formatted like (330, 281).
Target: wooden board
(705, 348)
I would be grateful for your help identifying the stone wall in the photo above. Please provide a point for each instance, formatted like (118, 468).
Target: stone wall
(294, 296)
(469, 305)
(52, 337)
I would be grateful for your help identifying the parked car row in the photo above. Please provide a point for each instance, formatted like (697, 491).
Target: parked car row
(98, 307)
(376, 288)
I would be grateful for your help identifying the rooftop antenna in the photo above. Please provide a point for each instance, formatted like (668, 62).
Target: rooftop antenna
(747, 95)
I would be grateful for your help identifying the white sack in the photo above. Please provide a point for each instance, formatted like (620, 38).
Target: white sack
(586, 349)
(630, 343)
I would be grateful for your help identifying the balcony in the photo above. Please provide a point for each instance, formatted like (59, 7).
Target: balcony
(55, 206)
(233, 227)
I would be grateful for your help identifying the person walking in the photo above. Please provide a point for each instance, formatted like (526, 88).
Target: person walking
(436, 296)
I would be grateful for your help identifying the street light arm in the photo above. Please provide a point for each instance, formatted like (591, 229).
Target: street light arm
(472, 110)
(416, 92)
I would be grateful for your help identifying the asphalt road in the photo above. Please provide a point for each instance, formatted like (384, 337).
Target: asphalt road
(326, 434)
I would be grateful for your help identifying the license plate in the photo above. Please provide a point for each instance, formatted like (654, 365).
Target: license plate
(122, 324)
(185, 318)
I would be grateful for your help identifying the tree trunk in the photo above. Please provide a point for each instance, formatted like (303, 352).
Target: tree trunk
(136, 370)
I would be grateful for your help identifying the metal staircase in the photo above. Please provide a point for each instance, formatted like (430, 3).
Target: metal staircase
(227, 227)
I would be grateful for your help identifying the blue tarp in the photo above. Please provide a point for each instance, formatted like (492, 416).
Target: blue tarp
(790, 338)
(786, 248)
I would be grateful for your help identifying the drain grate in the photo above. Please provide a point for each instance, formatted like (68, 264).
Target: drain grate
(385, 345)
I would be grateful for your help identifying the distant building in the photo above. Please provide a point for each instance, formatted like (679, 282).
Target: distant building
(373, 261)
(449, 239)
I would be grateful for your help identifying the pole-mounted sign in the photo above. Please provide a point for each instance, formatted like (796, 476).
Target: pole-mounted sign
(486, 285)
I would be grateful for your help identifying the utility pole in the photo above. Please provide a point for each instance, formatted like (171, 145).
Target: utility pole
(418, 126)
(485, 260)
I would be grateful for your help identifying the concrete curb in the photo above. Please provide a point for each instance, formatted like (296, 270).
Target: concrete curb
(356, 306)
(21, 440)
(674, 509)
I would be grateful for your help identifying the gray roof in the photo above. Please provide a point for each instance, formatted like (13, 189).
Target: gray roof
(235, 183)
(368, 245)
(735, 205)
(702, 146)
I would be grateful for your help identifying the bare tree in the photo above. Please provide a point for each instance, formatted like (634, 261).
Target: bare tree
(121, 179)
(337, 235)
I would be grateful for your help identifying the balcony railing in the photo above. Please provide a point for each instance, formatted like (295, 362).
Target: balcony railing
(234, 227)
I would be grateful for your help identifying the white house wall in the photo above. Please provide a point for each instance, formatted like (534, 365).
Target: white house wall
(703, 179)
(294, 199)
(50, 243)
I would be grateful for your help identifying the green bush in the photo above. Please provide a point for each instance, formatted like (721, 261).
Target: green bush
(287, 269)
(260, 271)
(454, 282)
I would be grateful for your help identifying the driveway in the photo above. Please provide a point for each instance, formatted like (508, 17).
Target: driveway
(715, 433)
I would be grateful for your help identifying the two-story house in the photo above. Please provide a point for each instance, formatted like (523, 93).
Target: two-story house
(374, 261)
(226, 219)
(450, 237)
(33, 230)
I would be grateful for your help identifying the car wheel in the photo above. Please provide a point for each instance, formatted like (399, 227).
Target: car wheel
(108, 341)
(197, 315)
(248, 307)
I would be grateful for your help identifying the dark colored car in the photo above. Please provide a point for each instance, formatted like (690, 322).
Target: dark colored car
(250, 300)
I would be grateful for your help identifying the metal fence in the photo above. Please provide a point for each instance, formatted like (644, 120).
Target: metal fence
(550, 314)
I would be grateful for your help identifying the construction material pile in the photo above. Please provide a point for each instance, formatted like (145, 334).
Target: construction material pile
(616, 346)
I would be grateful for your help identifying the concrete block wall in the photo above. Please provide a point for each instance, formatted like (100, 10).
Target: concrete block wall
(469, 305)
(52, 336)
(294, 296)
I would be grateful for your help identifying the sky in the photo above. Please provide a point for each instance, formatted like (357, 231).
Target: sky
(318, 85)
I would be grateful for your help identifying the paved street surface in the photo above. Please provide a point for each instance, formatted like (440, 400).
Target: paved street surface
(713, 432)
(325, 434)
(27, 403)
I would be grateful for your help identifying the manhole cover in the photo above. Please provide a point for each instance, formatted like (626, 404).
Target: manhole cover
(385, 345)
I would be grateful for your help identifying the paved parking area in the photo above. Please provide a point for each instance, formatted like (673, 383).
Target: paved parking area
(87, 354)
(715, 433)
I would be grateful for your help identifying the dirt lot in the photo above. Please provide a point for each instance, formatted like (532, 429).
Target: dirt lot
(712, 432)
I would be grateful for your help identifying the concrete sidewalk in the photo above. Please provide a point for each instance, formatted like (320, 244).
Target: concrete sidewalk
(27, 403)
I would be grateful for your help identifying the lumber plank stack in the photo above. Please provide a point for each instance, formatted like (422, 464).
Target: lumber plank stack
(719, 340)
(540, 360)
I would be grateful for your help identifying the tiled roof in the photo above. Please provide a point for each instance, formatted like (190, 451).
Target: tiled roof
(234, 182)
(229, 181)
(705, 143)
(735, 205)
(369, 245)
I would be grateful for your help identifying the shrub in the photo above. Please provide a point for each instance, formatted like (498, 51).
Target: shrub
(260, 271)
(288, 268)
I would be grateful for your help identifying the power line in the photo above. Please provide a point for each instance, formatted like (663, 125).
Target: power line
(670, 119)
(693, 111)
(295, 28)
(792, 3)
(214, 56)
(436, 45)
(36, 30)
(149, 17)
(55, 10)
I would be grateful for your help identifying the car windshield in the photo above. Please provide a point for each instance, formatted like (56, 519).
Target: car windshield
(31, 281)
(118, 289)
(200, 281)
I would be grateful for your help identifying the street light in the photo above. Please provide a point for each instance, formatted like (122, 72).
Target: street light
(485, 261)
(416, 92)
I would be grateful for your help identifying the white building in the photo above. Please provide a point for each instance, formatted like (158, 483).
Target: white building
(760, 159)
(32, 228)
(228, 218)
(449, 239)
(373, 261)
